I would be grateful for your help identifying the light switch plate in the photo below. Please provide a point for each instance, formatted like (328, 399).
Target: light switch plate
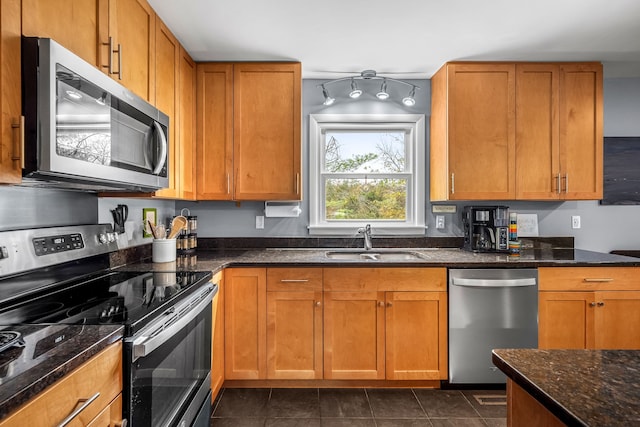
(440, 221)
(259, 221)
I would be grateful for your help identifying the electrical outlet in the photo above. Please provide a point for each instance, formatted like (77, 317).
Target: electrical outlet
(575, 221)
(440, 221)
(259, 221)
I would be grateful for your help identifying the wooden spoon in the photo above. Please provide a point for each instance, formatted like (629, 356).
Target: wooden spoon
(178, 224)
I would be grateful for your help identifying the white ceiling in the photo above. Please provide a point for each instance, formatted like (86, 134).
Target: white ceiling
(409, 38)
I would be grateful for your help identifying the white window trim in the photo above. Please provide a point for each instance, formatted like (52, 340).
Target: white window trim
(415, 126)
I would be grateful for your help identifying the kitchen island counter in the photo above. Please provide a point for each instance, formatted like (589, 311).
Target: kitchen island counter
(579, 387)
(50, 353)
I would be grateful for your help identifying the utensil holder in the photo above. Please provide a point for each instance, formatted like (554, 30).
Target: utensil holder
(163, 250)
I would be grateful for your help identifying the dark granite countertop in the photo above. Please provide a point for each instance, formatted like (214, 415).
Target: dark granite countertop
(580, 387)
(216, 260)
(50, 353)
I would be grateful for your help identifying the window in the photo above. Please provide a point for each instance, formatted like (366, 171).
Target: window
(367, 169)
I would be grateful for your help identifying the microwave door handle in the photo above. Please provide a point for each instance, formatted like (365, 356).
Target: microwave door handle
(163, 147)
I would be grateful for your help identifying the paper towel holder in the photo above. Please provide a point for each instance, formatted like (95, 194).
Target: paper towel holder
(278, 209)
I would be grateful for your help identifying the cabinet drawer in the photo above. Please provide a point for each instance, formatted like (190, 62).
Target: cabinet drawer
(589, 278)
(385, 279)
(102, 373)
(294, 279)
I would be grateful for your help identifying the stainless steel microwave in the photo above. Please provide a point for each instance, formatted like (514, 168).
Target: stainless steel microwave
(83, 130)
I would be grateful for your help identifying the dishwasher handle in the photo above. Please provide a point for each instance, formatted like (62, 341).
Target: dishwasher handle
(493, 283)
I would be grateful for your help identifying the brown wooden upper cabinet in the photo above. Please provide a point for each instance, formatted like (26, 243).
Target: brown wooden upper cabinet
(175, 96)
(133, 35)
(248, 131)
(75, 24)
(10, 86)
(526, 131)
(118, 36)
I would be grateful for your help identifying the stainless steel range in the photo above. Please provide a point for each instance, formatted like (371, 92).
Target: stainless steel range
(61, 276)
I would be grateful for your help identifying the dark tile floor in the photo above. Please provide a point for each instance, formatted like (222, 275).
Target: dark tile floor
(356, 407)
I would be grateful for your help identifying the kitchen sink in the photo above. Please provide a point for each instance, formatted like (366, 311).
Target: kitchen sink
(373, 255)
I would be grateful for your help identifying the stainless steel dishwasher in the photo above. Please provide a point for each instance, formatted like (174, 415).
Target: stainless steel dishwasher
(489, 308)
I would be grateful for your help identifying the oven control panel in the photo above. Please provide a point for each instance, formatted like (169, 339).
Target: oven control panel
(54, 244)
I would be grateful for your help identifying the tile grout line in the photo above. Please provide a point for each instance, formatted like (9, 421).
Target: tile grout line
(426, 414)
(473, 407)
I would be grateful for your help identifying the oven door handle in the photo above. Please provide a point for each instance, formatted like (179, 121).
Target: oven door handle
(145, 345)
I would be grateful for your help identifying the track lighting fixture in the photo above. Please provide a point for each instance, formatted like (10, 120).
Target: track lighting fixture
(356, 91)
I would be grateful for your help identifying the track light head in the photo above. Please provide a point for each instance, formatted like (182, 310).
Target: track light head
(383, 94)
(410, 100)
(328, 100)
(355, 92)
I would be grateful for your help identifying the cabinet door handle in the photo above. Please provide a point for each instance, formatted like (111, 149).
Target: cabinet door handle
(228, 185)
(318, 304)
(119, 61)
(18, 142)
(389, 304)
(380, 303)
(558, 184)
(453, 183)
(600, 304)
(76, 412)
(597, 280)
(109, 65)
(294, 280)
(592, 304)
(298, 183)
(566, 183)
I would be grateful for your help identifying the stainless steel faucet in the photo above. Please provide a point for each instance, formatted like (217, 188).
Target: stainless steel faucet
(366, 232)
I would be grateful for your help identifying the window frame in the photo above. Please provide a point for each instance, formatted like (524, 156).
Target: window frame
(414, 127)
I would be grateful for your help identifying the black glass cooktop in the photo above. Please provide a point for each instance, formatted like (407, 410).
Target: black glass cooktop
(131, 299)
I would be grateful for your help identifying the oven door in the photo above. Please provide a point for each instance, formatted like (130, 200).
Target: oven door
(168, 366)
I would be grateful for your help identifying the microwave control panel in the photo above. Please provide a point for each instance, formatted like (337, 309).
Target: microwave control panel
(54, 244)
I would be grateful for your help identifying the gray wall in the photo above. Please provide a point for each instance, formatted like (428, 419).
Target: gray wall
(603, 227)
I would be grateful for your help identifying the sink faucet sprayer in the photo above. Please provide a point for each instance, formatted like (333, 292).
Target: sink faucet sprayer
(366, 232)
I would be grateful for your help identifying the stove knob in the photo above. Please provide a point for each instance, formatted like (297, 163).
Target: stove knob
(111, 237)
(102, 238)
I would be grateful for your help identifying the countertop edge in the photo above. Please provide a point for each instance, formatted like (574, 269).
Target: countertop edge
(32, 390)
(563, 414)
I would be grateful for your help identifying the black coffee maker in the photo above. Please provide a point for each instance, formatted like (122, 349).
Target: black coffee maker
(486, 228)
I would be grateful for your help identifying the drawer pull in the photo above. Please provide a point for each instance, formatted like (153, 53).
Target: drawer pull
(294, 280)
(598, 280)
(75, 413)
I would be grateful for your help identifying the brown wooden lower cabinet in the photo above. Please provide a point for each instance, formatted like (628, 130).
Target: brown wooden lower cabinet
(416, 335)
(354, 335)
(245, 323)
(589, 308)
(335, 324)
(523, 410)
(217, 341)
(294, 335)
(101, 374)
